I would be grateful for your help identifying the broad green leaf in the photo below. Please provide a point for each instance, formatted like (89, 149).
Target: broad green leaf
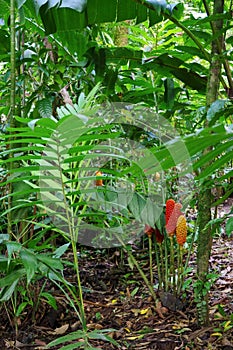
(12, 277)
(158, 5)
(20, 308)
(4, 237)
(61, 250)
(136, 205)
(51, 300)
(7, 292)
(101, 336)
(66, 338)
(229, 227)
(75, 15)
(211, 155)
(77, 5)
(126, 9)
(29, 261)
(12, 247)
(74, 346)
(101, 11)
(218, 164)
(50, 262)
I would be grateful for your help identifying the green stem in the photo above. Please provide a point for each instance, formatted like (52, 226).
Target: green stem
(149, 286)
(134, 261)
(12, 60)
(159, 264)
(150, 255)
(166, 263)
(162, 264)
(80, 291)
(73, 237)
(180, 270)
(12, 107)
(190, 248)
(172, 264)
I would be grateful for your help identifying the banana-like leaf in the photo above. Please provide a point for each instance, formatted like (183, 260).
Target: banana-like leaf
(69, 15)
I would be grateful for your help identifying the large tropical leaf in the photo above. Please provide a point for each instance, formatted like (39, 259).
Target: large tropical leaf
(75, 15)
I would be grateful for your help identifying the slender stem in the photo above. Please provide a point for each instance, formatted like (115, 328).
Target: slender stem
(73, 237)
(159, 264)
(166, 263)
(149, 286)
(134, 261)
(76, 265)
(172, 264)
(12, 60)
(150, 255)
(162, 264)
(190, 248)
(180, 270)
(12, 107)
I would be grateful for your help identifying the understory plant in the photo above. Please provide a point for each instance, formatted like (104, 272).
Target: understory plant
(168, 249)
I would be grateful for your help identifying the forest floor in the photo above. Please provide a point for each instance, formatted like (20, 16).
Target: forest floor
(116, 297)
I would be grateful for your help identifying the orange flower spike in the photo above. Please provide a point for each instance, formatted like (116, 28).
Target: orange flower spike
(100, 181)
(170, 217)
(181, 230)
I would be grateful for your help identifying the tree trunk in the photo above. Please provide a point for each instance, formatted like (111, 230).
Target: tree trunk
(204, 200)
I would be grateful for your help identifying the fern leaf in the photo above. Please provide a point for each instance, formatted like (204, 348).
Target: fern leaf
(45, 107)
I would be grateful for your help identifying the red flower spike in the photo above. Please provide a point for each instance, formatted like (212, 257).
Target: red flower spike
(170, 204)
(177, 211)
(170, 217)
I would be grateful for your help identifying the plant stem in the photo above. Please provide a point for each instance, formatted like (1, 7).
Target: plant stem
(172, 264)
(76, 265)
(12, 106)
(134, 261)
(166, 263)
(159, 264)
(180, 270)
(162, 265)
(150, 255)
(149, 286)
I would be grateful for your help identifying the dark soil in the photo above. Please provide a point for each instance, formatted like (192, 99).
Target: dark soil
(115, 297)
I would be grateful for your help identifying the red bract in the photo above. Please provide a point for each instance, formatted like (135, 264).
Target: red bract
(158, 236)
(148, 230)
(177, 211)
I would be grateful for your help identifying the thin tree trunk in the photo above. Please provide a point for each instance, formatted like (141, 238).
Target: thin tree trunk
(12, 103)
(204, 200)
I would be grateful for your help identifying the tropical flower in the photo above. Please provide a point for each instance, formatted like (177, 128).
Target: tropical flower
(181, 230)
(99, 182)
(150, 231)
(170, 217)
